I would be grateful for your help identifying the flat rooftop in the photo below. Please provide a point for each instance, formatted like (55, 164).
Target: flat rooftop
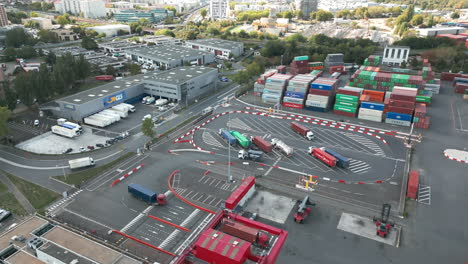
(22, 257)
(120, 44)
(74, 50)
(23, 229)
(166, 53)
(217, 43)
(179, 75)
(104, 60)
(63, 254)
(102, 90)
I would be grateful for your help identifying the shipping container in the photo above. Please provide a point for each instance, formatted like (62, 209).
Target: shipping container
(227, 136)
(241, 139)
(294, 95)
(244, 232)
(142, 193)
(413, 184)
(341, 161)
(320, 92)
(400, 110)
(348, 114)
(263, 144)
(344, 97)
(374, 106)
(315, 108)
(370, 117)
(323, 156)
(399, 116)
(293, 105)
(302, 130)
(397, 122)
(344, 108)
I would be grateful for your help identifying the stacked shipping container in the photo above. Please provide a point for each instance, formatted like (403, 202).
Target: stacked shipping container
(320, 94)
(347, 100)
(400, 106)
(373, 60)
(274, 88)
(296, 91)
(300, 65)
(384, 81)
(315, 66)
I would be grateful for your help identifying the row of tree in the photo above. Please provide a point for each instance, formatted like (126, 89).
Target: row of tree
(431, 4)
(369, 12)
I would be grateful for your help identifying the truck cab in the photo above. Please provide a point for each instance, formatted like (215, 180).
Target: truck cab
(249, 154)
(309, 135)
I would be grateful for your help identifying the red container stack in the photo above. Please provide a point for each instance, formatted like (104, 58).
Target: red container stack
(461, 87)
(372, 96)
(423, 122)
(420, 110)
(449, 76)
(413, 185)
(281, 69)
(299, 67)
(333, 69)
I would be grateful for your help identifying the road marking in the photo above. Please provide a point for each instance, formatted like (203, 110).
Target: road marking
(271, 168)
(393, 183)
(424, 194)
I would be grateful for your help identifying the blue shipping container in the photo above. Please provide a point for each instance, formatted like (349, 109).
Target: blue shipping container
(142, 193)
(321, 86)
(317, 109)
(461, 80)
(372, 106)
(399, 116)
(294, 94)
(228, 137)
(342, 161)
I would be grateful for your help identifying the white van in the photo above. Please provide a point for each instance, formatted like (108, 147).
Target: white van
(146, 117)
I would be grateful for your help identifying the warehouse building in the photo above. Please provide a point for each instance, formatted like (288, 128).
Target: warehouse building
(161, 40)
(219, 47)
(183, 84)
(102, 61)
(111, 30)
(169, 56)
(119, 46)
(432, 32)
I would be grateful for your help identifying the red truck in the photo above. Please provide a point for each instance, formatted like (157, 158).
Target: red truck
(323, 156)
(245, 232)
(263, 144)
(304, 131)
(104, 78)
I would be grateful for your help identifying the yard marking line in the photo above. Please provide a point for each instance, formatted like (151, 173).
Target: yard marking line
(269, 169)
(214, 179)
(218, 202)
(86, 218)
(197, 193)
(189, 193)
(201, 178)
(218, 183)
(206, 199)
(214, 198)
(207, 179)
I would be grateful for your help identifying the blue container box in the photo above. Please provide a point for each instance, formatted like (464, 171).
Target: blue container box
(317, 109)
(321, 86)
(294, 95)
(373, 106)
(399, 116)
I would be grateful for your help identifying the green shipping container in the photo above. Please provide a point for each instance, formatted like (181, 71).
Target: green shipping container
(345, 108)
(423, 99)
(243, 141)
(346, 103)
(301, 58)
(345, 97)
(466, 91)
(415, 119)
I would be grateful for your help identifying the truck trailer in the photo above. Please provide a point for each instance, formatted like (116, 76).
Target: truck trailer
(131, 108)
(250, 154)
(323, 156)
(241, 139)
(66, 132)
(122, 112)
(81, 163)
(244, 232)
(285, 149)
(302, 130)
(262, 144)
(142, 193)
(63, 122)
(109, 112)
(161, 102)
(227, 136)
(341, 161)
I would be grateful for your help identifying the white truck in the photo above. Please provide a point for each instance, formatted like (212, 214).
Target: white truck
(66, 132)
(122, 107)
(94, 121)
(250, 154)
(150, 100)
(287, 150)
(123, 113)
(112, 117)
(161, 102)
(81, 163)
(143, 101)
(130, 107)
(63, 122)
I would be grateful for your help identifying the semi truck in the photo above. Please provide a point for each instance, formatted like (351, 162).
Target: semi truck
(262, 144)
(320, 154)
(227, 136)
(341, 161)
(142, 193)
(246, 233)
(241, 139)
(111, 113)
(285, 149)
(250, 154)
(66, 132)
(122, 112)
(143, 101)
(81, 163)
(302, 130)
(131, 108)
(63, 122)
(161, 102)
(122, 107)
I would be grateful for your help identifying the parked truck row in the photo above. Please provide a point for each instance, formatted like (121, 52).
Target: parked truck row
(109, 116)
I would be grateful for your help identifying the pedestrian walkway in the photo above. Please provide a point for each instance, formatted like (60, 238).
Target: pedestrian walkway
(424, 194)
(358, 166)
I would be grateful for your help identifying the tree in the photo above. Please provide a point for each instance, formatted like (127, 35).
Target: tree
(241, 77)
(10, 96)
(228, 65)
(24, 88)
(403, 64)
(4, 116)
(48, 36)
(147, 127)
(273, 48)
(27, 52)
(430, 23)
(82, 68)
(91, 33)
(165, 32)
(203, 13)
(455, 15)
(136, 28)
(321, 15)
(88, 43)
(417, 20)
(51, 58)
(133, 68)
(122, 32)
(15, 17)
(33, 14)
(17, 37)
(63, 20)
(32, 24)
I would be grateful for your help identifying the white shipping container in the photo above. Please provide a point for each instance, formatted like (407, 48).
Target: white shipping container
(91, 120)
(371, 112)
(111, 113)
(397, 122)
(110, 119)
(316, 103)
(123, 113)
(62, 131)
(293, 100)
(370, 117)
(319, 98)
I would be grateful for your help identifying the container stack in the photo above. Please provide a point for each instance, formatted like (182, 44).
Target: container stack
(371, 111)
(281, 69)
(334, 60)
(401, 106)
(372, 96)
(336, 75)
(274, 87)
(300, 65)
(461, 84)
(316, 73)
(420, 119)
(297, 90)
(315, 66)
(259, 85)
(373, 60)
(320, 94)
(347, 100)
(384, 81)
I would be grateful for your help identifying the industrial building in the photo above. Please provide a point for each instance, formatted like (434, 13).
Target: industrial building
(153, 15)
(161, 40)
(119, 46)
(180, 84)
(73, 50)
(3, 16)
(432, 32)
(110, 30)
(37, 241)
(217, 46)
(102, 61)
(395, 55)
(169, 56)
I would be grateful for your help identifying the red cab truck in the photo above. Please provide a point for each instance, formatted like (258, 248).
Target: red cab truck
(262, 144)
(323, 156)
(302, 130)
(104, 78)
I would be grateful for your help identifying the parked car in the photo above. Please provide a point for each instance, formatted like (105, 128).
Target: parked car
(67, 151)
(82, 149)
(100, 145)
(4, 214)
(119, 137)
(91, 147)
(36, 122)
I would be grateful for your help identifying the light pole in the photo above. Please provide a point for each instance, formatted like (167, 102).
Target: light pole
(229, 150)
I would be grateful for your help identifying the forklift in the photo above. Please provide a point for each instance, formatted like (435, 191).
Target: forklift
(382, 223)
(303, 211)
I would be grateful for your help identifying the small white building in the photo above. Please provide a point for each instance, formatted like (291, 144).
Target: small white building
(431, 32)
(110, 30)
(44, 23)
(395, 55)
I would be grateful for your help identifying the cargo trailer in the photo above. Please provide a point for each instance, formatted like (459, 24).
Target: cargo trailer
(109, 112)
(262, 144)
(131, 108)
(341, 161)
(323, 156)
(241, 139)
(91, 120)
(62, 131)
(81, 163)
(122, 112)
(244, 232)
(285, 149)
(227, 136)
(302, 130)
(250, 154)
(142, 193)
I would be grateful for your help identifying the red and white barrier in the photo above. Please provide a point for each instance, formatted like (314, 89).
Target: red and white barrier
(456, 155)
(127, 174)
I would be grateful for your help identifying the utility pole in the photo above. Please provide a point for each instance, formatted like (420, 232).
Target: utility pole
(229, 150)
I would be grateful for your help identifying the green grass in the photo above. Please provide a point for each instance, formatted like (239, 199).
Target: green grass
(79, 178)
(37, 195)
(8, 201)
(3, 188)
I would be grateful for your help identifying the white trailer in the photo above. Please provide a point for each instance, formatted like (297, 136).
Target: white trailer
(109, 112)
(131, 108)
(104, 118)
(94, 121)
(63, 122)
(62, 131)
(123, 112)
(150, 100)
(112, 118)
(161, 102)
(287, 150)
(124, 107)
(81, 163)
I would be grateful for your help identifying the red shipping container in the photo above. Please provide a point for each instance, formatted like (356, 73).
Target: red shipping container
(413, 184)
(403, 97)
(399, 103)
(291, 105)
(449, 76)
(315, 68)
(348, 92)
(281, 69)
(344, 113)
(333, 69)
(401, 110)
(263, 144)
(320, 92)
(461, 87)
(420, 110)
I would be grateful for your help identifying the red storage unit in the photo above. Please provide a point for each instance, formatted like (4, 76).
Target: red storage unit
(420, 110)
(239, 230)
(239, 193)
(461, 87)
(413, 185)
(348, 92)
(343, 113)
(399, 103)
(263, 144)
(104, 78)
(324, 157)
(401, 110)
(217, 247)
(291, 105)
(281, 69)
(333, 69)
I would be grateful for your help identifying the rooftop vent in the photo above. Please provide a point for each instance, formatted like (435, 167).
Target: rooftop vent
(91, 95)
(76, 100)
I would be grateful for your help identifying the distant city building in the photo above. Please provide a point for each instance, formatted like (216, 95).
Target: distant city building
(431, 32)
(89, 8)
(44, 23)
(219, 47)
(66, 34)
(306, 6)
(3, 16)
(395, 55)
(153, 15)
(111, 30)
(276, 7)
(219, 9)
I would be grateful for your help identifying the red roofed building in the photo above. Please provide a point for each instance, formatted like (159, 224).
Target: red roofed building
(458, 38)
(217, 247)
(241, 194)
